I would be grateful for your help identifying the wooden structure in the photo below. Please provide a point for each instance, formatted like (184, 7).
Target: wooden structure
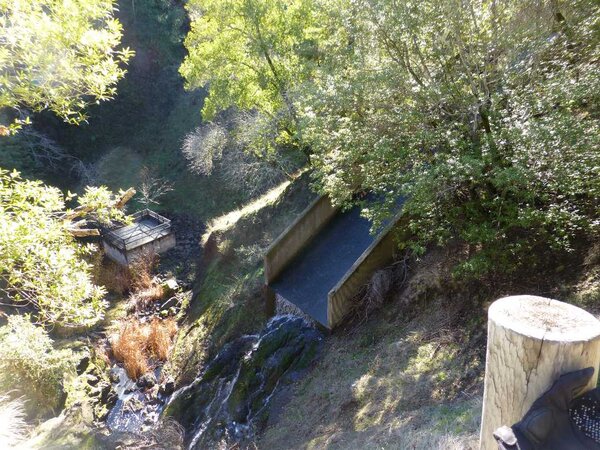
(337, 255)
(531, 342)
(149, 231)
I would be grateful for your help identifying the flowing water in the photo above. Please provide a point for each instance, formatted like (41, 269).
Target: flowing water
(137, 408)
(229, 400)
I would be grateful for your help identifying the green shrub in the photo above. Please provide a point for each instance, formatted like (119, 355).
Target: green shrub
(41, 263)
(31, 367)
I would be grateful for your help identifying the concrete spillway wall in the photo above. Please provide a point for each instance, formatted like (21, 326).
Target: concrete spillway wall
(378, 255)
(321, 261)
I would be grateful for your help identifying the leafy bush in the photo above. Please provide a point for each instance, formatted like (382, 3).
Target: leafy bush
(239, 152)
(31, 367)
(40, 261)
(60, 56)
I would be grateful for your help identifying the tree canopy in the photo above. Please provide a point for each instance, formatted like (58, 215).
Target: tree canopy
(253, 54)
(482, 114)
(59, 55)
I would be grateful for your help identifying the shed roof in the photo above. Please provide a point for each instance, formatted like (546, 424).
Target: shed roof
(147, 227)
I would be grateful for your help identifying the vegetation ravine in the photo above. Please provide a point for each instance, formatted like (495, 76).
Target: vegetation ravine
(229, 118)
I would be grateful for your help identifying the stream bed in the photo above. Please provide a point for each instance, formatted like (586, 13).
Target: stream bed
(229, 399)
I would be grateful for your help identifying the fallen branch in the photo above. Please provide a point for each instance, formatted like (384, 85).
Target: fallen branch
(83, 232)
(127, 195)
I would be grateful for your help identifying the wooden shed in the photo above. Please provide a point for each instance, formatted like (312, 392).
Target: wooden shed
(323, 259)
(149, 231)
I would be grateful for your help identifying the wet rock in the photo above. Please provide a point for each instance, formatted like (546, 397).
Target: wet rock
(92, 380)
(107, 394)
(111, 397)
(113, 375)
(83, 365)
(230, 398)
(152, 397)
(170, 287)
(170, 303)
(147, 380)
(167, 388)
(134, 404)
(101, 413)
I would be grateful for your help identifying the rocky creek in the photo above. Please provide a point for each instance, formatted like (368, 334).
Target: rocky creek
(229, 399)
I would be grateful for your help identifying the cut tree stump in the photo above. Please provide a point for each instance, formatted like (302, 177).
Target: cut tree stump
(531, 342)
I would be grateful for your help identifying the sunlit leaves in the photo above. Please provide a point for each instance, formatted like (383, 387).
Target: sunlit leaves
(252, 54)
(40, 262)
(484, 115)
(59, 55)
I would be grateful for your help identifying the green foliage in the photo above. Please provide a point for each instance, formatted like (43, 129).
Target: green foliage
(31, 367)
(483, 115)
(40, 261)
(58, 55)
(251, 54)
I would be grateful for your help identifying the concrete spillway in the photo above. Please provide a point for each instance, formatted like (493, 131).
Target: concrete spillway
(320, 262)
(317, 269)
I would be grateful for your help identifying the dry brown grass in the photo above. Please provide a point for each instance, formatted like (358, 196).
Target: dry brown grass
(138, 345)
(128, 346)
(114, 277)
(160, 336)
(141, 270)
(142, 299)
(137, 280)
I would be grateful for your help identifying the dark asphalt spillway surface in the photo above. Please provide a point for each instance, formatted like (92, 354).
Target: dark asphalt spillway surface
(319, 267)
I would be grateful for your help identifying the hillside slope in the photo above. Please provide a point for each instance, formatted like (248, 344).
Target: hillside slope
(410, 376)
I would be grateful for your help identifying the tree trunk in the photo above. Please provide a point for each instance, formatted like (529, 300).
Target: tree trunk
(531, 342)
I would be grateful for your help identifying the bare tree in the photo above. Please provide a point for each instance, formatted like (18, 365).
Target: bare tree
(152, 187)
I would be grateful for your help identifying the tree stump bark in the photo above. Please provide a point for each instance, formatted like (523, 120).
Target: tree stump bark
(531, 342)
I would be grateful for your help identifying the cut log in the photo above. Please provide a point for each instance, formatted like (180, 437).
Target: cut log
(127, 195)
(531, 342)
(80, 211)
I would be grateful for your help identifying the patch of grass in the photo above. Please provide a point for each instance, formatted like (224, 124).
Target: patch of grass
(457, 418)
(228, 221)
(32, 365)
(119, 168)
(143, 298)
(228, 298)
(12, 417)
(395, 381)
